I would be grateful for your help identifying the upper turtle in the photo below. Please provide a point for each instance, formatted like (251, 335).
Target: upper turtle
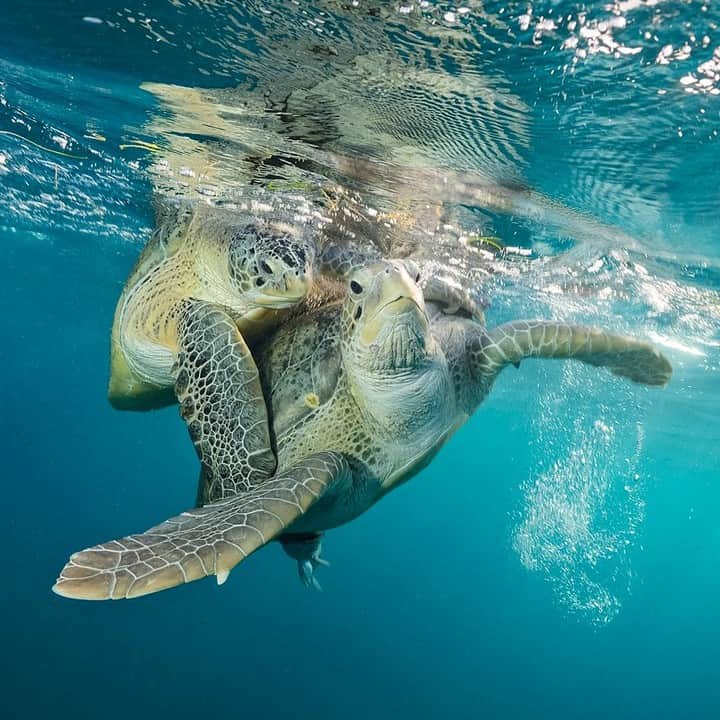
(252, 269)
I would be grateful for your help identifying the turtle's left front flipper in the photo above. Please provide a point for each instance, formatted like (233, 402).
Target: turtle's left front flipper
(628, 357)
(205, 541)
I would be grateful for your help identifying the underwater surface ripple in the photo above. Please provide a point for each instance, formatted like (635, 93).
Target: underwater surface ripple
(559, 557)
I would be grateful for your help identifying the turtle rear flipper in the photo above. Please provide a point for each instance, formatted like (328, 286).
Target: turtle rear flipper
(204, 541)
(625, 356)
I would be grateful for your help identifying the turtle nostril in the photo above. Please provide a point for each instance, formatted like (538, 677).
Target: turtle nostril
(259, 282)
(265, 267)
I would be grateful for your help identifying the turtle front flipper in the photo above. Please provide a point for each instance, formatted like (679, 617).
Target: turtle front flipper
(222, 402)
(625, 356)
(447, 288)
(205, 541)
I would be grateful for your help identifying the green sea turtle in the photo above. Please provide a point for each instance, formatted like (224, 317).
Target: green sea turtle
(251, 269)
(361, 394)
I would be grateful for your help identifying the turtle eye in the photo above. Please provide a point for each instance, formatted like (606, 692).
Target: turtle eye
(356, 287)
(265, 267)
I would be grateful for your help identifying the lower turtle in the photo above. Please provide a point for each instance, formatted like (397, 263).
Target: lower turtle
(354, 398)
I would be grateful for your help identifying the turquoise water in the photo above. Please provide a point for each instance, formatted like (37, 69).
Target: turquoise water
(559, 557)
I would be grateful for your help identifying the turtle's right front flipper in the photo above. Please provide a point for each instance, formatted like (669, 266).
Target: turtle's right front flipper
(628, 357)
(205, 541)
(222, 402)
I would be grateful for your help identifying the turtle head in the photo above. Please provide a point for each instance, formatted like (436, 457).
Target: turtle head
(270, 265)
(385, 325)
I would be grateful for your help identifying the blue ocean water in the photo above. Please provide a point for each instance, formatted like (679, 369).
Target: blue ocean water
(559, 557)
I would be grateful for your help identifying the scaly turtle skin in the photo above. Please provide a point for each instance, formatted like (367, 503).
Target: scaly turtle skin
(362, 393)
(252, 270)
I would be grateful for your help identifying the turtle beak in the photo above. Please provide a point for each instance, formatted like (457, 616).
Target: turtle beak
(289, 289)
(392, 296)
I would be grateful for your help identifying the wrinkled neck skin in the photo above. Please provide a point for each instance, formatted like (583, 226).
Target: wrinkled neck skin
(400, 383)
